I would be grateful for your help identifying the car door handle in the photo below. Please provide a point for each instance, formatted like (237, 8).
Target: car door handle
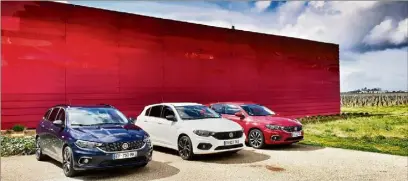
(159, 123)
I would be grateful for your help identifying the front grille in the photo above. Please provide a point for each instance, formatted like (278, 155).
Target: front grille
(228, 147)
(226, 135)
(294, 139)
(117, 146)
(292, 128)
(123, 161)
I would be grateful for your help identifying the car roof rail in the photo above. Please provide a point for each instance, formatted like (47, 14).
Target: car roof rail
(61, 105)
(107, 105)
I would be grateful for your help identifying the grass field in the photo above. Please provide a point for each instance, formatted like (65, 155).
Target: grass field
(384, 130)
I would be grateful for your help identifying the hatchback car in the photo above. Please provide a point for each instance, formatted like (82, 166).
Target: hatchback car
(91, 137)
(261, 125)
(191, 129)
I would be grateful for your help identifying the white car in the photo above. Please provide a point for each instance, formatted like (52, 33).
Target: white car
(191, 129)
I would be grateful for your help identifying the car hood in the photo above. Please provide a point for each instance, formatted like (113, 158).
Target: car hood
(108, 134)
(214, 124)
(281, 121)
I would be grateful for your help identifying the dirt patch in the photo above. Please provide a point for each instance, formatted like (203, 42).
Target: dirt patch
(269, 167)
(274, 168)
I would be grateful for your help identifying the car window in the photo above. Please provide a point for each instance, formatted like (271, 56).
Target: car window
(148, 111)
(47, 114)
(167, 111)
(219, 108)
(53, 114)
(231, 109)
(61, 116)
(156, 111)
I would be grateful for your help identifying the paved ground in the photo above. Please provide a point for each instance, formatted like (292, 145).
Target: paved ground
(296, 162)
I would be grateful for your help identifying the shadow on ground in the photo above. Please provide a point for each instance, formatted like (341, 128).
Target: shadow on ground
(243, 156)
(154, 170)
(293, 147)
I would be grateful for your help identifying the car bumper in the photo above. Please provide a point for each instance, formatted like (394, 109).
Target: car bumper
(281, 137)
(210, 145)
(101, 160)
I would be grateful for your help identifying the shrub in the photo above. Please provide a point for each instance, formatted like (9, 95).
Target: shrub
(18, 128)
(17, 145)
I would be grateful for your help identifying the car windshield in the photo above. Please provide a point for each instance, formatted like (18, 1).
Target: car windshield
(95, 116)
(257, 110)
(196, 112)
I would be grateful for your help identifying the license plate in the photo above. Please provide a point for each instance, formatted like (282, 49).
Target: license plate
(125, 155)
(231, 142)
(296, 134)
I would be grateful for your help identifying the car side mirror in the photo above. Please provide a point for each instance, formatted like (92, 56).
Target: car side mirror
(58, 123)
(171, 118)
(131, 120)
(240, 115)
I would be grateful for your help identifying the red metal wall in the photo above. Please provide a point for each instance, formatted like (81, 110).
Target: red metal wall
(55, 53)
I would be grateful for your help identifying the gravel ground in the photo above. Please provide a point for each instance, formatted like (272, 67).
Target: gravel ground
(297, 162)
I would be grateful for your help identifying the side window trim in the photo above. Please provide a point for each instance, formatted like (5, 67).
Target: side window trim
(47, 114)
(162, 112)
(147, 112)
(55, 114)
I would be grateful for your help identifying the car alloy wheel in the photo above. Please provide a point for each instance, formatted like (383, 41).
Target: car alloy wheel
(67, 163)
(256, 139)
(185, 148)
(38, 150)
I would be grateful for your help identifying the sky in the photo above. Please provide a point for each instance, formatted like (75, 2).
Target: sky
(372, 35)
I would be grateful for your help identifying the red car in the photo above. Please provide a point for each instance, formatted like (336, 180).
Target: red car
(261, 125)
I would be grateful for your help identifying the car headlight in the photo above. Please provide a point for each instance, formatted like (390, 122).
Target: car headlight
(146, 139)
(203, 133)
(274, 127)
(87, 144)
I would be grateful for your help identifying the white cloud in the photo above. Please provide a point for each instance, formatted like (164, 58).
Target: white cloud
(262, 5)
(387, 69)
(388, 32)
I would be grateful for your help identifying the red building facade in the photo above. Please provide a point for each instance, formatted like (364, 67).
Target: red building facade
(54, 53)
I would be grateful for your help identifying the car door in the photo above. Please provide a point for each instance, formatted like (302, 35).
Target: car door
(42, 130)
(47, 136)
(154, 124)
(57, 134)
(229, 113)
(168, 128)
(143, 120)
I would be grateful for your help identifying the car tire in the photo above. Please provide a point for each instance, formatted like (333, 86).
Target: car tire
(185, 148)
(256, 139)
(68, 162)
(38, 150)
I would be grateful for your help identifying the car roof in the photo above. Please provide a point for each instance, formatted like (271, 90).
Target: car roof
(234, 103)
(84, 106)
(176, 104)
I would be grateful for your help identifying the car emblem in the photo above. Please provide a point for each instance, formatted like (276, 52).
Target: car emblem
(296, 128)
(231, 135)
(125, 146)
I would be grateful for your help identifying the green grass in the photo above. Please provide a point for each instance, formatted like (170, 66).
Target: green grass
(384, 130)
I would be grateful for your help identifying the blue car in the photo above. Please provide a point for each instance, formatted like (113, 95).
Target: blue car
(91, 137)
